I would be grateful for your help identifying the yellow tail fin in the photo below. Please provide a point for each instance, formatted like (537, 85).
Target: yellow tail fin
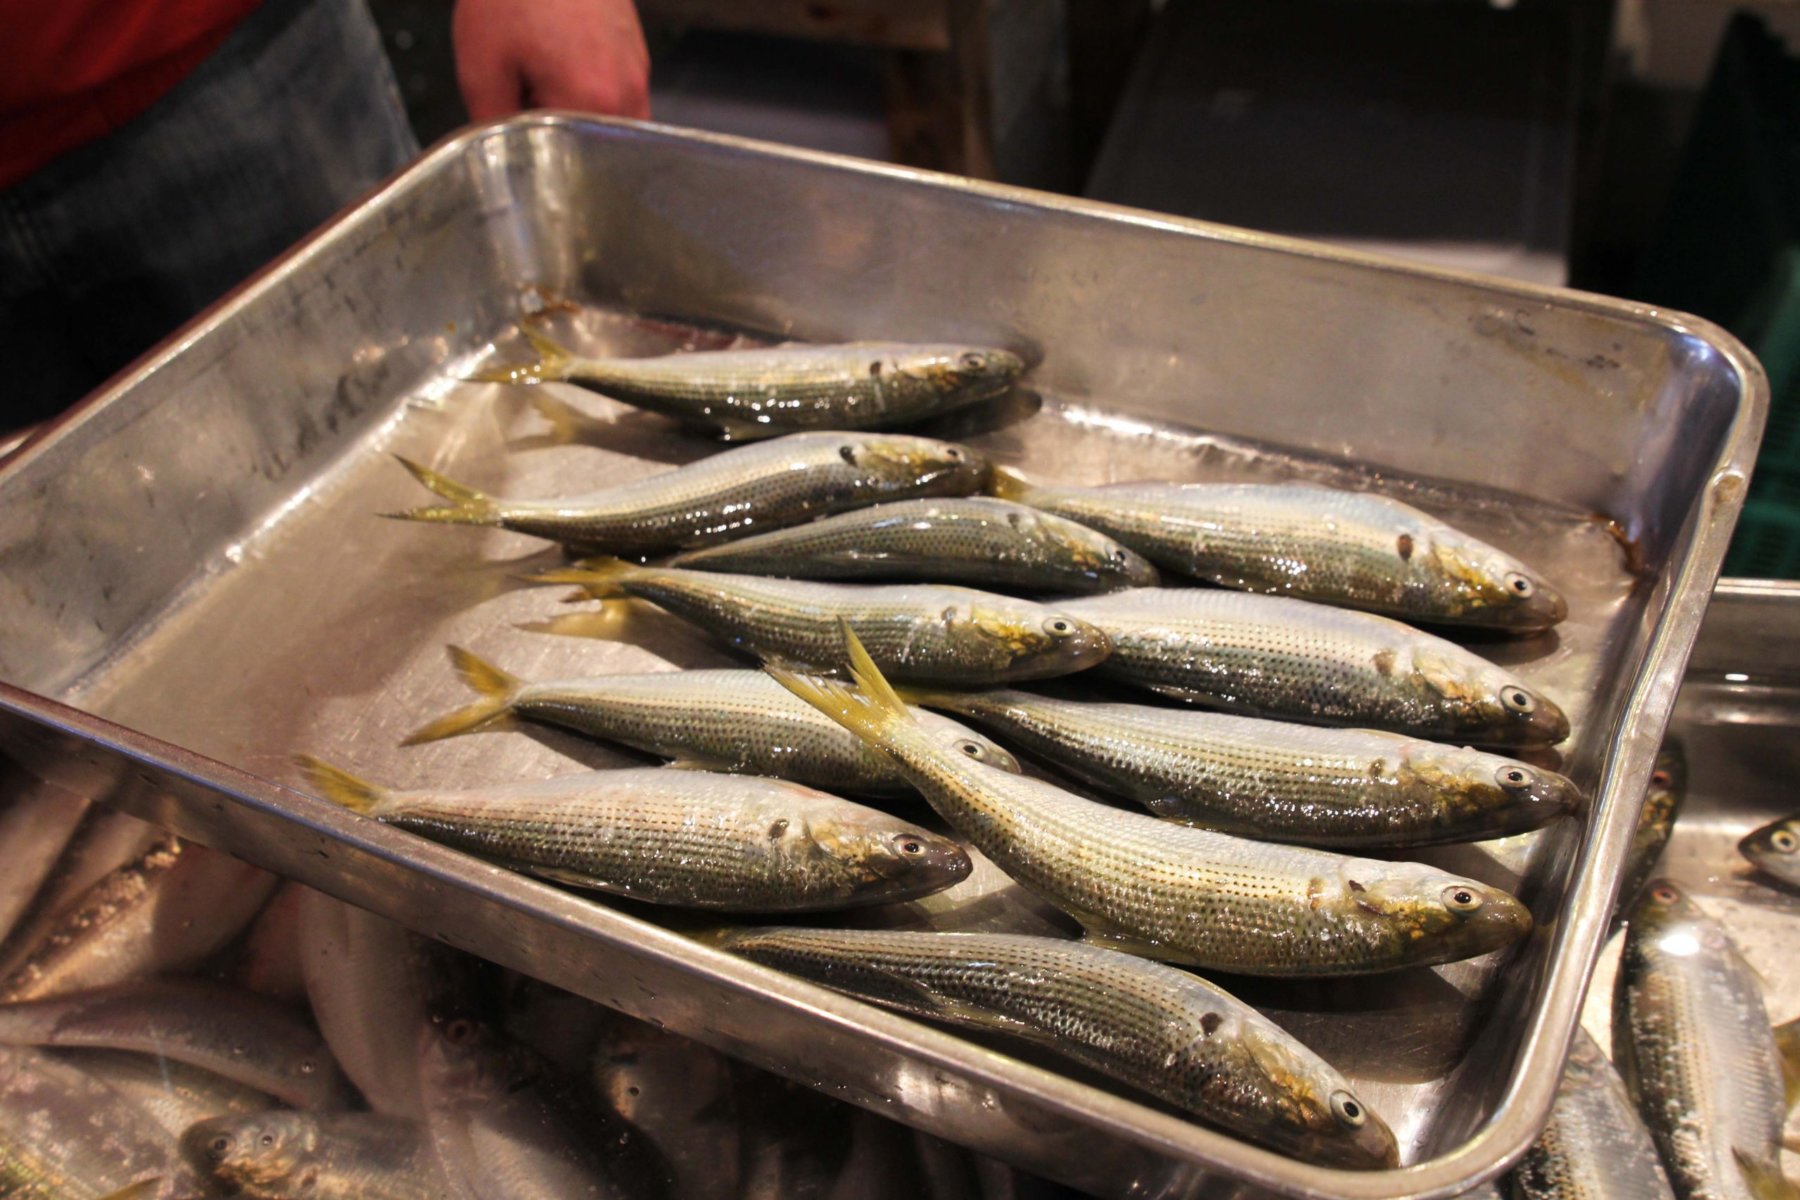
(568, 424)
(553, 363)
(495, 687)
(340, 786)
(1008, 484)
(871, 709)
(143, 1189)
(1764, 1179)
(467, 506)
(1787, 1045)
(604, 578)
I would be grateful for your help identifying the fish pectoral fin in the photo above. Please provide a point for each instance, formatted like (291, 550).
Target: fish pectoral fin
(699, 762)
(1097, 931)
(1764, 1179)
(728, 429)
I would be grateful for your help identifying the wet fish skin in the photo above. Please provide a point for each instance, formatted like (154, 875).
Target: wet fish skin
(1175, 892)
(1312, 543)
(1595, 1146)
(167, 910)
(741, 722)
(686, 838)
(37, 822)
(1692, 1040)
(1656, 823)
(682, 1097)
(922, 633)
(66, 1136)
(499, 1124)
(1272, 779)
(279, 1154)
(1293, 660)
(219, 1028)
(754, 393)
(1153, 1027)
(173, 1094)
(977, 541)
(726, 496)
(1774, 849)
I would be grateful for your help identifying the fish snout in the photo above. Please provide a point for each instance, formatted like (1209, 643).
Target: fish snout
(1547, 793)
(1489, 918)
(925, 862)
(1078, 644)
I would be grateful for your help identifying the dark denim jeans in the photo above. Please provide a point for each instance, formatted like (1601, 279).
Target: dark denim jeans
(109, 248)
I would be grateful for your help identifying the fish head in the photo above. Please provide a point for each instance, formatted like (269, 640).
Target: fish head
(984, 370)
(463, 1060)
(1488, 702)
(1023, 641)
(1431, 915)
(879, 859)
(1775, 848)
(254, 1150)
(1316, 1116)
(1515, 796)
(952, 735)
(1088, 551)
(1492, 588)
(924, 464)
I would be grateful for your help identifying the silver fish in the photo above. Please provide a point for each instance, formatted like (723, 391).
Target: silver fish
(682, 1097)
(1275, 657)
(1692, 1040)
(1656, 823)
(1271, 779)
(36, 825)
(1774, 849)
(66, 1136)
(171, 1093)
(741, 722)
(977, 541)
(1175, 892)
(744, 394)
(279, 1155)
(1312, 543)
(727, 496)
(499, 1126)
(372, 986)
(167, 910)
(686, 838)
(1153, 1027)
(226, 1030)
(106, 841)
(922, 633)
(1594, 1147)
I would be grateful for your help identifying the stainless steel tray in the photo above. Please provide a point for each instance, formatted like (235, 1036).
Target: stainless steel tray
(1738, 721)
(194, 587)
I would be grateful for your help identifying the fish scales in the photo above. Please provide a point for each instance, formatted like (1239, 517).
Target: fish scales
(737, 721)
(1272, 779)
(687, 838)
(172, 1093)
(922, 633)
(277, 1155)
(1692, 1039)
(1156, 1028)
(753, 393)
(977, 540)
(66, 1136)
(1315, 543)
(1291, 659)
(726, 496)
(1176, 892)
(1594, 1147)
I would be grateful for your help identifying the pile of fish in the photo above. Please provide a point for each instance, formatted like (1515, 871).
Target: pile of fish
(1233, 658)
(208, 1032)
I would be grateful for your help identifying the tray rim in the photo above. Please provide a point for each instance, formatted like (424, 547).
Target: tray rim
(1185, 1146)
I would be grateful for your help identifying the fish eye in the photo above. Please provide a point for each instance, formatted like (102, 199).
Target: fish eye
(1513, 778)
(220, 1144)
(460, 1031)
(266, 1140)
(910, 845)
(1517, 700)
(954, 453)
(1121, 556)
(1460, 898)
(972, 360)
(1660, 778)
(1520, 586)
(1348, 1109)
(1664, 894)
(1784, 841)
(973, 749)
(1059, 626)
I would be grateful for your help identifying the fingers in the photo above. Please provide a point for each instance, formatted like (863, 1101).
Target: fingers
(587, 55)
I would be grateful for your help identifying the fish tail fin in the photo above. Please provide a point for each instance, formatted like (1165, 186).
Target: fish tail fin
(1764, 1179)
(340, 786)
(603, 578)
(467, 506)
(568, 424)
(868, 707)
(553, 364)
(495, 687)
(1787, 1046)
(143, 1189)
(1008, 484)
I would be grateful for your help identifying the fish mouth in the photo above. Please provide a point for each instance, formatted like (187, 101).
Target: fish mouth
(1500, 922)
(1544, 608)
(920, 864)
(1552, 795)
(1371, 1148)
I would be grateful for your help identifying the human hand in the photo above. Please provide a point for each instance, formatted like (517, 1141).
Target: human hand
(582, 54)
